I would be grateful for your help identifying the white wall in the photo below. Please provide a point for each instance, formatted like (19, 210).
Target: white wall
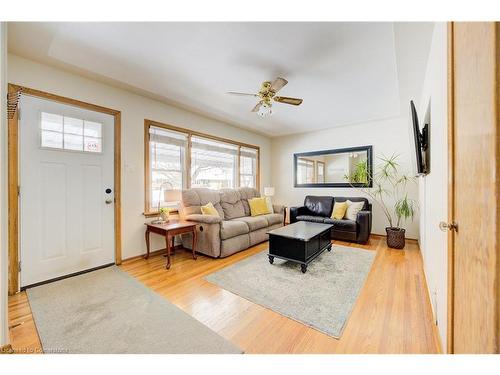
(433, 187)
(386, 137)
(135, 109)
(4, 333)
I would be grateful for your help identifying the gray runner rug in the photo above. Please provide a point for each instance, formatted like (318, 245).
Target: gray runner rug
(108, 311)
(321, 298)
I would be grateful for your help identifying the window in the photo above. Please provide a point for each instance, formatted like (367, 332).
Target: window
(305, 170)
(68, 133)
(179, 158)
(167, 155)
(213, 163)
(248, 167)
(320, 172)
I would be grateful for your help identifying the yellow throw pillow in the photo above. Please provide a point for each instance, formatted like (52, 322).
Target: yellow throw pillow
(258, 206)
(209, 209)
(339, 210)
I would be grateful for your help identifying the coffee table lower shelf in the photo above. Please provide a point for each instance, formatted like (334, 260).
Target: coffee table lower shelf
(303, 265)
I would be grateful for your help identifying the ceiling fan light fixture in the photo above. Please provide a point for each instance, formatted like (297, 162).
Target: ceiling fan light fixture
(267, 95)
(265, 110)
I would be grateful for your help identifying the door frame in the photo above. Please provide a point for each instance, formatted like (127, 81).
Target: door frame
(13, 174)
(451, 191)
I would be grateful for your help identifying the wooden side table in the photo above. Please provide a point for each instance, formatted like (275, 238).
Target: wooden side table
(284, 215)
(169, 231)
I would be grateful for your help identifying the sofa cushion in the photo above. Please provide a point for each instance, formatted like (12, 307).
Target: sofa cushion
(354, 199)
(352, 209)
(346, 225)
(258, 206)
(230, 200)
(273, 219)
(234, 244)
(339, 209)
(193, 199)
(233, 228)
(209, 209)
(315, 219)
(246, 194)
(320, 206)
(254, 222)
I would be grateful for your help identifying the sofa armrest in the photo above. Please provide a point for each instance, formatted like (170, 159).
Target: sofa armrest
(297, 211)
(278, 209)
(364, 221)
(205, 219)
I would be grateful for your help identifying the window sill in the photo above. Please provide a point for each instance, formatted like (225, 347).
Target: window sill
(156, 213)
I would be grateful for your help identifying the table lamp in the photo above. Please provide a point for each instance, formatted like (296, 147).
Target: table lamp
(169, 195)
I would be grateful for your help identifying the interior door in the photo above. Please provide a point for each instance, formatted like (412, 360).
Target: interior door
(475, 186)
(66, 201)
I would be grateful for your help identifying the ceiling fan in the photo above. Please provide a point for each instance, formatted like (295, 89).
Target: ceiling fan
(267, 95)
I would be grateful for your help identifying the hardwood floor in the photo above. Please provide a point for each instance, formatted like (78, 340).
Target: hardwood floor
(391, 315)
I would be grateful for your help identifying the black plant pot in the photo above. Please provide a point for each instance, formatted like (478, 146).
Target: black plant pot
(395, 237)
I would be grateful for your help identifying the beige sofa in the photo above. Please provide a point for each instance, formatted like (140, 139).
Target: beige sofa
(235, 229)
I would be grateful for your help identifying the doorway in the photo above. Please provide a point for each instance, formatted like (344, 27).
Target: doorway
(64, 187)
(66, 198)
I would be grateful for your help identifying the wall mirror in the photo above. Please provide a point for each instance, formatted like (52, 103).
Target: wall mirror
(344, 167)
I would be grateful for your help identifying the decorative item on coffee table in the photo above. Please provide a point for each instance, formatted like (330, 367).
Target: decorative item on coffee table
(389, 183)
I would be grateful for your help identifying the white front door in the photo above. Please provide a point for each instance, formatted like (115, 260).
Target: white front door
(66, 202)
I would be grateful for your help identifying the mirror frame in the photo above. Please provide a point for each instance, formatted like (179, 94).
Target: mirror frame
(369, 152)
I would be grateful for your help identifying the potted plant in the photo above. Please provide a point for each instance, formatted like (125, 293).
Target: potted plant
(389, 184)
(164, 213)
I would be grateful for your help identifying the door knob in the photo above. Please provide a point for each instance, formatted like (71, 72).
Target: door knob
(448, 226)
(109, 201)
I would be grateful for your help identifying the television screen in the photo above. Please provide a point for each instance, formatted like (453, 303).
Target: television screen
(420, 139)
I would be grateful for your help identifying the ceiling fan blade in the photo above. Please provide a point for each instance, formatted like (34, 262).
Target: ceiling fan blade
(286, 100)
(257, 107)
(241, 93)
(278, 84)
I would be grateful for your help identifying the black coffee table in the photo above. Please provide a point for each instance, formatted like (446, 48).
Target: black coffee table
(300, 242)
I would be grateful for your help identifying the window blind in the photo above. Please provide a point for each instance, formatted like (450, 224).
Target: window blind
(167, 163)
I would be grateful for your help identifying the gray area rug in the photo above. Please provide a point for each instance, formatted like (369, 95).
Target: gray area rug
(322, 298)
(108, 311)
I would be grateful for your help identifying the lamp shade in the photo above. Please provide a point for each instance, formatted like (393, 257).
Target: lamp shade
(171, 195)
(269, 191)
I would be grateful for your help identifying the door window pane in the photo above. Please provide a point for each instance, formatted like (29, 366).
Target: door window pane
(73, 126)
(70, 133)
(92, 144)
(52, 122)
(73, 142)
(93, 129)
(51, 139)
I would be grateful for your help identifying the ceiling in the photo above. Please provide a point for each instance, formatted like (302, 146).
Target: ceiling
(347, 73)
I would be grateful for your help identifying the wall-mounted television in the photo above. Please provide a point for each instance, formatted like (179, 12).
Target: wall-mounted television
(421, 138)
